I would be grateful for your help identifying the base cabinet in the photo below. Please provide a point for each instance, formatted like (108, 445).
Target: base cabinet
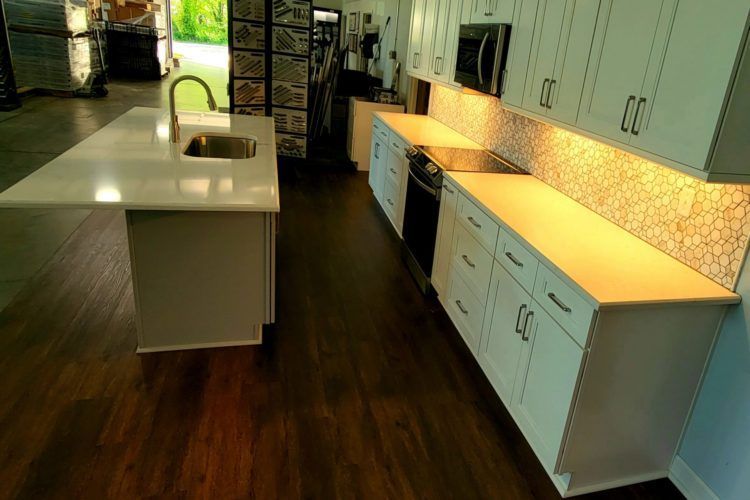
(446, 222)
(388, 172)
(601, 394)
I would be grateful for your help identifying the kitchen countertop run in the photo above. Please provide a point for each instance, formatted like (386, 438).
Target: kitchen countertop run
(130, 164)
(612, 266)
(422, 130)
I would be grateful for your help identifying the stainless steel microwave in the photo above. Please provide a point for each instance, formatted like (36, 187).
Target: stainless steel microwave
(481, 56)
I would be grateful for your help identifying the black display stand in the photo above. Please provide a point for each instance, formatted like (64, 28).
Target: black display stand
(269, 50)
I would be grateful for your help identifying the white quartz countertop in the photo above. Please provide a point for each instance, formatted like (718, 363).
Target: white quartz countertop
(614, 267)
(131, 164)
(423, 130)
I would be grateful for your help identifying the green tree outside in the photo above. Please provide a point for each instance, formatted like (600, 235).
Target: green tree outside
(202, 21)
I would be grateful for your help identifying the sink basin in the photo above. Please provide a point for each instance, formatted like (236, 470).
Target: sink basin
(220, 146)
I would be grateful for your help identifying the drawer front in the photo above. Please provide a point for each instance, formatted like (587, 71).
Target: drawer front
(478, 224)
(566, 306)
(379, 128)
(518, 261)
(465, 310)
(396, 143)
(474, 262)
(390, 199)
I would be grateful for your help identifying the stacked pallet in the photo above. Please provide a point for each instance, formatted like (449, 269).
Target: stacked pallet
(51, 45)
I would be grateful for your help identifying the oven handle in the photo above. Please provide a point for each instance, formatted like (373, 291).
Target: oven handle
(479, 59)
(421, 184)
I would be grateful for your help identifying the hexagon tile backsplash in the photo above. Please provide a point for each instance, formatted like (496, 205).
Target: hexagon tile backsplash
(639, 196)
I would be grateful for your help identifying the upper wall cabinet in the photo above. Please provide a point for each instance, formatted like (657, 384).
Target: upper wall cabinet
(421, 37)
(445, 41)
(627, 50)
(664, 79)
(562, 32)
(490, 11)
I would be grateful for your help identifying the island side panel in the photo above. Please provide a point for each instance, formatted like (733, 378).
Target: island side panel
(200, 279)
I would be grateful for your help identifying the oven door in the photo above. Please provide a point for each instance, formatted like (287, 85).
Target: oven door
(421, 211)
(479, 57)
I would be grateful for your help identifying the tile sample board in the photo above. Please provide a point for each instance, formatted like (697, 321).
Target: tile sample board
(270, 43)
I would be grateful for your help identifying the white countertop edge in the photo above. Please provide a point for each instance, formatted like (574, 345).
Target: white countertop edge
(598, 304)
(187, 207)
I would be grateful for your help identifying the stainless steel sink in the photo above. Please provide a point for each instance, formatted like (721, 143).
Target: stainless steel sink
(220, 146)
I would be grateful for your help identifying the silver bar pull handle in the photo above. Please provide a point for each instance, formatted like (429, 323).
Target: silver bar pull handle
(461, 307)
(634, 130)
(390, 201)
(393, 171)
(525, 337)
(623, 125)
(474, 222)
(559, 303)
(518, 318)
(468, 261)
(547, 103)
(544, 87)
(513, 259)
(445, 186)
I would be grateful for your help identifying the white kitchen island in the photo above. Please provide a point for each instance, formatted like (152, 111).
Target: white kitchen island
(201, 230)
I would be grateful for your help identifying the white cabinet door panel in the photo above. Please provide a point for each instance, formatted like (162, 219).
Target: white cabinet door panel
(544, 393)
(626, 33)
(685, 102)
(519, 51)
(501, 346)
(550, 17)
(443, 245)
(572, 59)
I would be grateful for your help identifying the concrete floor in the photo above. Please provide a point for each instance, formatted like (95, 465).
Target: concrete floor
(45, 127)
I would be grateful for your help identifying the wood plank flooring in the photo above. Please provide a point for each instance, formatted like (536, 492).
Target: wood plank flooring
(363, 389)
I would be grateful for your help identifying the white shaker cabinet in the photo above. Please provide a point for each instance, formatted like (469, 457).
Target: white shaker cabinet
(682, 104)
(502, 343)
(628, 43)
(421, 37)
(560, 50)
(490, 11)
(550, 369)
(378, 161)
(445, 40)
(444, 240)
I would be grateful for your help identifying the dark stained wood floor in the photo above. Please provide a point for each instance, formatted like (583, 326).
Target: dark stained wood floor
(362, 390)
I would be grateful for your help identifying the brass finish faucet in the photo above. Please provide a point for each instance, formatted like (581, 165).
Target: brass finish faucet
(174, 125)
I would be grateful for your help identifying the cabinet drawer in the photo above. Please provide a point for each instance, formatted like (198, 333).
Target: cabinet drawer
(565, 305)
(380, 129)
(396, 143)
(390, 199)
(519, 262)
(478, 224)
(465, 310)
(474, 262)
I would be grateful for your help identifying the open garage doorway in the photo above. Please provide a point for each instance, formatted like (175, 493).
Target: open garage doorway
(199, 46)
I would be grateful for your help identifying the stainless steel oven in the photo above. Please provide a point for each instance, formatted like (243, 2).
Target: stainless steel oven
(481, 57)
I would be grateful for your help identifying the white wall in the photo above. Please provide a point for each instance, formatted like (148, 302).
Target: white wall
(396, 35)
(716, 445)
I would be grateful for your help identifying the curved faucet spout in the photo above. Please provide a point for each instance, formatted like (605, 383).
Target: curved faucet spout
(174, 125)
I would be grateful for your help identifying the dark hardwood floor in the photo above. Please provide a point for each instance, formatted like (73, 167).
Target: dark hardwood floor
(363, 388)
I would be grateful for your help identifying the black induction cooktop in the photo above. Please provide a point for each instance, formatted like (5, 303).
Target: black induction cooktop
(469, 160)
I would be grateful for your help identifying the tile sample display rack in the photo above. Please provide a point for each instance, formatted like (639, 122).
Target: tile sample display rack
(8, 95)
(270, 43)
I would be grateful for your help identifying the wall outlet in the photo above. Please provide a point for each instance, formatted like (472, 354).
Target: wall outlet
(685, 205)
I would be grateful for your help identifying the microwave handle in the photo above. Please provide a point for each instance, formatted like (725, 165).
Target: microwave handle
(479, 59)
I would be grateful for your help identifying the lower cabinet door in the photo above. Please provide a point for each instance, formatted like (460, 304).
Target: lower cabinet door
(377, 167)
(465, 310)
(546, 388)
(501, 338)
(446, 222)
